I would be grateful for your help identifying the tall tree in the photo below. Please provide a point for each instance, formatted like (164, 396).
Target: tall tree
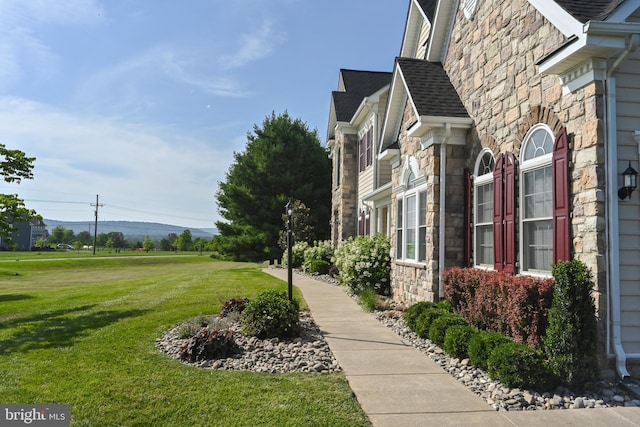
(14, 167)
(184, 241)
(283, 160)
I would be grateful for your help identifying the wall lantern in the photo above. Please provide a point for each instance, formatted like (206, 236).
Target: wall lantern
(629, 182)
(289, 209)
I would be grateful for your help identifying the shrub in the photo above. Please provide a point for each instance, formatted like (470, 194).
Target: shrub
(572, 336)
(271, 315)
(456, 340)
(439, 327)
(414, 311)
(482, 344)
(445, 305)
(209, 344)
(193, 326)
(518, 365)
(365, 263)
(516, 306)
(234, 305)
(425, 319)
(297, 253)
(318, 257)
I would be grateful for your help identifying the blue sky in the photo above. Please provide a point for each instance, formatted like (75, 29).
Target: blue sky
(143, 102)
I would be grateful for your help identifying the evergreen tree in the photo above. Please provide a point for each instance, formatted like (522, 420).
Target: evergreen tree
(283, 160)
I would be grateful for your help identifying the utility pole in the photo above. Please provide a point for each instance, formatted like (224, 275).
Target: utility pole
(95, 228)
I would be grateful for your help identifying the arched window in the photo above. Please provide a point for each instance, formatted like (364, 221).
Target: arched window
(536, 201)
(411, 215)
(483, 209)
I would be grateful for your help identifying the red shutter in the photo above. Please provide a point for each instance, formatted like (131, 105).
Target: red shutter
(561, 214)
(509, 197)
(497, 214)
(468, 208)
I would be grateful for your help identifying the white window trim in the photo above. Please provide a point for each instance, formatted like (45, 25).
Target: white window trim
(404, 193)
(479, 181)
(527, 166)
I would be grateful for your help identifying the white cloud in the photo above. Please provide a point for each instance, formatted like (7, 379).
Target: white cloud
(255, 46)
(139, 166)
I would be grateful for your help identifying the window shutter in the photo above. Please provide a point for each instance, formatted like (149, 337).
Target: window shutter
(497, 214)
(509, 216)
(561, 215)
(468, 209)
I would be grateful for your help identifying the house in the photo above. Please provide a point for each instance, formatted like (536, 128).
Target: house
(24, 236)
(507, 128)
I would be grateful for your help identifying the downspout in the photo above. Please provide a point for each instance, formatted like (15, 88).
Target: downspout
(613, 232)
(443, 213)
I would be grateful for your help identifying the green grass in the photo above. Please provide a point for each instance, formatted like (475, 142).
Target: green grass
(83, 331)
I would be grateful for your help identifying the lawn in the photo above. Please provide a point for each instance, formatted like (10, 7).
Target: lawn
(82, 332)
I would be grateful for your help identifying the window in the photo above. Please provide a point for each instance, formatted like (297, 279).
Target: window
(411, 223)
(483, 210)
(365, 156)
(536, 202)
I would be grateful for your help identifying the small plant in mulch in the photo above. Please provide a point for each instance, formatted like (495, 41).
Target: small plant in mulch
(234, 305)
(209, 343)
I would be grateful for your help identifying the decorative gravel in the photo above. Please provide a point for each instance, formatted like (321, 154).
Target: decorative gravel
(310, 353)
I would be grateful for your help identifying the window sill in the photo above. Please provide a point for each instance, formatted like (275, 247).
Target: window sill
(414, 264)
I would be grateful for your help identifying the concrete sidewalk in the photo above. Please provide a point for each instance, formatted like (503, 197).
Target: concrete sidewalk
(397, 385)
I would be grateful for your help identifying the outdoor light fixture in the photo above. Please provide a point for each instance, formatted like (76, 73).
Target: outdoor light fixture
(289, 209)
(629, 182)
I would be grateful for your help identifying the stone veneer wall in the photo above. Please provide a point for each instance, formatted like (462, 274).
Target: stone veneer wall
(491, 62)
(344, 215)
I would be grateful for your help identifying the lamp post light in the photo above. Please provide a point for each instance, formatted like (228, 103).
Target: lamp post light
(289, 209)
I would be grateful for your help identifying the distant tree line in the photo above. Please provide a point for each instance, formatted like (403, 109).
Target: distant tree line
(116, 240)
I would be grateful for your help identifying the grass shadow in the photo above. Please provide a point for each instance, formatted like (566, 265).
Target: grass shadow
(60, 331)
(16, 320)
(15, 297)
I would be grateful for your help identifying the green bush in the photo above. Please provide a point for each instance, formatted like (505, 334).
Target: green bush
(518, 365)
(445, 305)
(456, 340)
(439, 326)
(414, 311)
(297, 254)
(271, 315)
(316, 266)
(482, 345)
(317, 258)
(425, 319)
(571, 339)
(365, 263)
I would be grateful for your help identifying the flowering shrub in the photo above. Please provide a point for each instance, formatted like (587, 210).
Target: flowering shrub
(297, 254)
(317, 258)
(516, 306)
(365, 263)
(271, 315)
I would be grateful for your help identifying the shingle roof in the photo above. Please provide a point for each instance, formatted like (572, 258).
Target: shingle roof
(430, 89)
(588, 10)
(357, 85)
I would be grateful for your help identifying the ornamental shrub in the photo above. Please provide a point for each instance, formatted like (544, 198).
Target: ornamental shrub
(482, 345)
(518, 365)
(365, 263)
(234, 305)
(271, 315)
(439, 327)
(571, 340)
(297, 254)
(209, 344)
(456, 340)
(425, 319)
(414, 311)
(516, 306)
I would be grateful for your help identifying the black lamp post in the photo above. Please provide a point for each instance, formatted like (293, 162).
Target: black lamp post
(629, 182)
(289, 208)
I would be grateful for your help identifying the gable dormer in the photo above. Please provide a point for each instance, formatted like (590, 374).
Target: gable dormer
(418, 29)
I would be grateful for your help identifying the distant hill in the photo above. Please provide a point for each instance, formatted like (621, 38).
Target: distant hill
(132, 230)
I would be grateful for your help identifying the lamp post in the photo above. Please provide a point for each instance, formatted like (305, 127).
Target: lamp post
(289, 209)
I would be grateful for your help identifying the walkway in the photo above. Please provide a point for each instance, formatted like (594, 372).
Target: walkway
(397, 385)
